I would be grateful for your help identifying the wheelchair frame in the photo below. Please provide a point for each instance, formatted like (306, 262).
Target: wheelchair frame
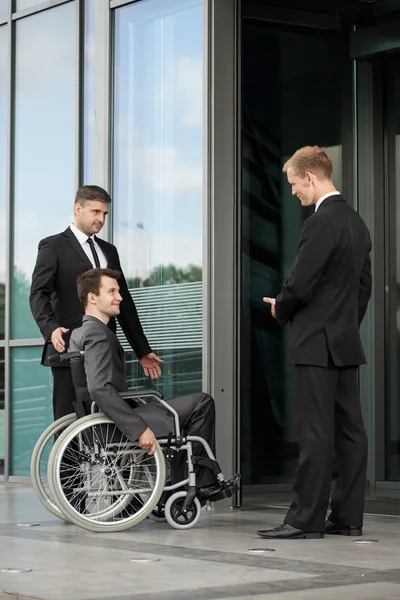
(178, 506)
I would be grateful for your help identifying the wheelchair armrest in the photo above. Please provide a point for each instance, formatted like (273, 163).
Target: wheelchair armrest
(71, 355)
(132, 394)
(55, 358)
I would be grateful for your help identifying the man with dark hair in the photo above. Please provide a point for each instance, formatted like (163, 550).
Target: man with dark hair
(324, 301)
(99, 292)
(54, 301)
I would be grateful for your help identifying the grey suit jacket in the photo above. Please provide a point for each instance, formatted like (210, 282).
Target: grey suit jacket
(105, 373)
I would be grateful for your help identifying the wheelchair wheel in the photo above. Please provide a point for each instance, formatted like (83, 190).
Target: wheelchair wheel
(112, 483)
(174, 511)
(39, 462)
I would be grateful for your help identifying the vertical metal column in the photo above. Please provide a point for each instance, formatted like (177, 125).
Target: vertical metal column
(9, 254)
(102, 123)
(222, 293)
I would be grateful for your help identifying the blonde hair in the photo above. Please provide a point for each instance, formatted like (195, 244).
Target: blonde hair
(310, 158)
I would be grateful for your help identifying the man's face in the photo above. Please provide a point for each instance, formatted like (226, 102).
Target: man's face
(91, 217)
(109, 298)
(302, 187)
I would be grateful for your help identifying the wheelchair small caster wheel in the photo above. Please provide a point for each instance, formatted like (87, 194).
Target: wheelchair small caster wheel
(175, 515)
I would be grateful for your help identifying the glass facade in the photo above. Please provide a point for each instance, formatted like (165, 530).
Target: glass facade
(89, 91)
(3, 203)
(158, 180)
(31, 405)
(4, 8)
(44, 150)
(146, 135)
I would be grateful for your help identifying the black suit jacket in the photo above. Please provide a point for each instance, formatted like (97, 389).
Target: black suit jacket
(54, 300)
(326, 295)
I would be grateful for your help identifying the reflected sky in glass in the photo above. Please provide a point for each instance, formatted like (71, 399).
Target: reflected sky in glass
(4, 8)
(89, 83)
(44, 182)
(3, 166)
(23, 4)
(158, 136)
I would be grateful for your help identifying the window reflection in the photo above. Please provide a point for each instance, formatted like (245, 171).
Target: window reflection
(4, 8)
(44, 183)
(2, 413)
(89, 83)
(158, 178)
(24, 4)
(31, 405)
(3, 168)
(282, 111)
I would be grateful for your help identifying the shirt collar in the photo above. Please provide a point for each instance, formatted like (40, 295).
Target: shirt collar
(88, 317)
(324, 197)
(81, 237)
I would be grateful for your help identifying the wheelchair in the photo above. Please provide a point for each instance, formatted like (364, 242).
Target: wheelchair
(86, 471)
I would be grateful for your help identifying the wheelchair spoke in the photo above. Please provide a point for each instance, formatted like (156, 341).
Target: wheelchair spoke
(105, 477)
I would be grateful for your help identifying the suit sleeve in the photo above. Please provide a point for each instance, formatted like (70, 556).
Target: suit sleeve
(365, 287)
(98, 369)
(315, 249)
(43, 282)
(129, 319)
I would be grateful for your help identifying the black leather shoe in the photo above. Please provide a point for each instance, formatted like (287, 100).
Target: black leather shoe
(287, 532)
(337, 529)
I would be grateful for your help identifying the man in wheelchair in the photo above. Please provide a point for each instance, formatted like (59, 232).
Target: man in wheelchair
(104, 364)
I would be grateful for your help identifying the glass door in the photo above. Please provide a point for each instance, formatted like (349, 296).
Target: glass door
(296, 91)
(391, 73)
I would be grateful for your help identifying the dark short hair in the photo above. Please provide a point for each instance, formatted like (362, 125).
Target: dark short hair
(90, 282)
(91, 192)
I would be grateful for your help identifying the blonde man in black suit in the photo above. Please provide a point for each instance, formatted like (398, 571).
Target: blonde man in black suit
(324, 301)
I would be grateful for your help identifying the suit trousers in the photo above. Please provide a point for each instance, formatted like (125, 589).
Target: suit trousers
(63, 392)
(196, 414)
(329, 420)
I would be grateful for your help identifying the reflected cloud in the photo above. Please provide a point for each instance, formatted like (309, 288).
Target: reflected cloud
(164, 169)
(189, 90)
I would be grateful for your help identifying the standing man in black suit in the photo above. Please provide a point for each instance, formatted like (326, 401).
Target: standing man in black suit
(54, 301)
(324, 301)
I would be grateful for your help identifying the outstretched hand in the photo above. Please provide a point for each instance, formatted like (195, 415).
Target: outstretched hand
(151, 365)
(272, 302)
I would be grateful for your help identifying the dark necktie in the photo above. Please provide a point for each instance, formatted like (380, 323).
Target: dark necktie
(95, 255)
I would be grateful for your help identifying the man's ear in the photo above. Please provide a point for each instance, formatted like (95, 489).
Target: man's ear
(91, 298)
(77, 208)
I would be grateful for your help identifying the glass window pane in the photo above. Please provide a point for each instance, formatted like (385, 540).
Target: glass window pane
(276, 122)
(23, 4)
(3, 166)
(158, 148)
(392, 128)
(2, 413)
(44, 182)
(4, 8)
(89, 71)
(31, 405)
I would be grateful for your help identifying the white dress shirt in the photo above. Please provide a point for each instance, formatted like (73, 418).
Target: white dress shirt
(82, 239)
(324, 197)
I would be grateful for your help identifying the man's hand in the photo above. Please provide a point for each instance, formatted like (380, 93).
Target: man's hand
(150, 364)
(57, 339)
(272, 302)
(147, 440)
